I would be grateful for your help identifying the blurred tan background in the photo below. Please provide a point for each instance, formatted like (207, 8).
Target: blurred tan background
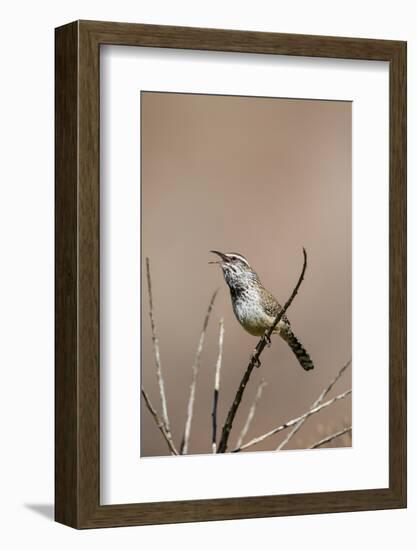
(262, 177)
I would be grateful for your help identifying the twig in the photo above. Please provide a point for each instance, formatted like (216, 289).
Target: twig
(292, 422)
(255, 361)
(317, 402)
(251, 414)
(157, 355)
(160, 424)
(217, 387)
(330, 438)
(195, 367)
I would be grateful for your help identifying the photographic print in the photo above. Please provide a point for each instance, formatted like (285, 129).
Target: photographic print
(246, 205)
(215, 274)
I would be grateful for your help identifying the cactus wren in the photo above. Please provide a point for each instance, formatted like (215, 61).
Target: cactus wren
(254, 306)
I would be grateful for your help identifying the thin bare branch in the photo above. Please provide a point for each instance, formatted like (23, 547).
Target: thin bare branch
(251, 414)
(317, 402)
(157, 356)
(292, 422)
(217, 387)
(330, 438)
(195, 367)
(255, 362)
(159, 422)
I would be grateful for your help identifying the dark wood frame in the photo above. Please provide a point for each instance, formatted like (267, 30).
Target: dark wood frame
(77, 274)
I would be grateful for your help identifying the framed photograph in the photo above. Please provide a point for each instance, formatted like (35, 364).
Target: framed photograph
(230, 274)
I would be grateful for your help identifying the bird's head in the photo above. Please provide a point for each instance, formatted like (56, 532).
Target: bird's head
(236, 269)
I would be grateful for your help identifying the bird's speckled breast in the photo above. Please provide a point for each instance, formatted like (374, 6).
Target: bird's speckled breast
(250, 313)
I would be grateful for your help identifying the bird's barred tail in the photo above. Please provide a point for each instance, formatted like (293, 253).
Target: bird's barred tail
(303, 357)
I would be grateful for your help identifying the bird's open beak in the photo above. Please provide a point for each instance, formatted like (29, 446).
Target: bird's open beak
(223, 257)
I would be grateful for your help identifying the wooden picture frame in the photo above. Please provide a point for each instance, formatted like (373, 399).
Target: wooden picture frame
(77, 403)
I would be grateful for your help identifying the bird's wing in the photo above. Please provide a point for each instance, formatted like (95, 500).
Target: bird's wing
(273, 307)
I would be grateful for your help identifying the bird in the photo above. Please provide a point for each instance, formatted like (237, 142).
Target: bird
(254, 306)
